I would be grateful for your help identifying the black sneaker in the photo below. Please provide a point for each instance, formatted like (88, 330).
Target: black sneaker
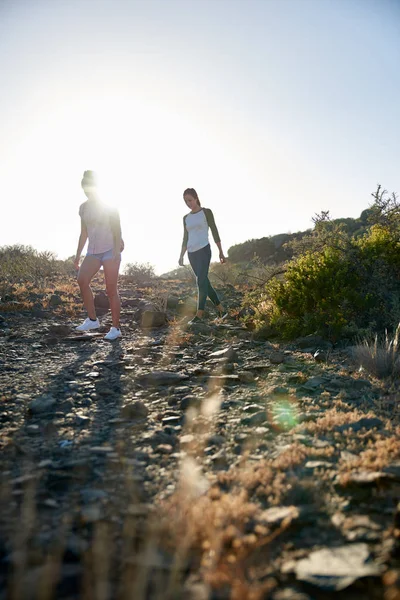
(195, 320)
(221, 317)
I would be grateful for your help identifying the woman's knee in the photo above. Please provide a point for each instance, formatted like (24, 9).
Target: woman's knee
(83, 281)
(112, 291)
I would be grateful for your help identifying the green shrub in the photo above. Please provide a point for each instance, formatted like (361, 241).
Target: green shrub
(336, 291)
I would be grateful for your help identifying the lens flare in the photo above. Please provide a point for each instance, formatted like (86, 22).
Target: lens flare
(283, 414)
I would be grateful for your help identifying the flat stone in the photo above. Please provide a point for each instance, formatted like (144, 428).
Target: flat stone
(33, 429)
(279, 390)
(102, 449)
(190, 401)
(135, 410)
(82, 419)
(101, 301)
(276, 358)
(365, 478)
(161, 378)
(216, 440)
(42, 404)
(160, 437)
(257, 418)
(393, 469)
(93, 374)
(164, 449)
(61, 330)
(180, 389)
(153, 319)
(277, 514)
(259, 366)
(224, 378)
(246, 377)
(314, 382)
(359, 384)
(261, 431)
(318, 464)
(82, 337)
(364, 423)
(251, 408)
(187, 440)
(90, 495)
(334, 569)
(91, 513)
(55, 300)
(171, 421)
(228, 353)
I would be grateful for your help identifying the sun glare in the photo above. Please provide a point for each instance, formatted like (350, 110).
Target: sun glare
(144, 151)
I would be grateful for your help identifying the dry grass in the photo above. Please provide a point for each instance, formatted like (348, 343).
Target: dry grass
(334, 418)
(221, 535)
(15, 306)
(378, 455)
(27, 295)
(380, 358)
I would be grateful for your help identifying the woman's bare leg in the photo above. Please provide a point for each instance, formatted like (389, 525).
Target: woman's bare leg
(87, 271)
(111, 270)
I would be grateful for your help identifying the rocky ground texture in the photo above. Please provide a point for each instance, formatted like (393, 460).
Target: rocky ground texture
(191, 461)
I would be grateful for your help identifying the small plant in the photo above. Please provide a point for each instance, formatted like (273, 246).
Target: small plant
(226, 274)
(380, 357)
(159, 299)
(139, 272)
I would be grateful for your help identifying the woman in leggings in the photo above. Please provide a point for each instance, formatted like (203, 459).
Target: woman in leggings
(195, 241)
(101, 225)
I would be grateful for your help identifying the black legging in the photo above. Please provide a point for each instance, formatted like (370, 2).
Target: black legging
(200, 262)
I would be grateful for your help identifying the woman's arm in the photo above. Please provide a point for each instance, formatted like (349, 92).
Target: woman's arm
(215, 234)
(184, 243)
(117, 235)
(222, 257)
(81, 242)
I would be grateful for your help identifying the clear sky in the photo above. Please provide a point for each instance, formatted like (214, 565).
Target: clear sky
(272, 109)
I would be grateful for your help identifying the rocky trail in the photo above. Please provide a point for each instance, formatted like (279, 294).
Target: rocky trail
(290, 460)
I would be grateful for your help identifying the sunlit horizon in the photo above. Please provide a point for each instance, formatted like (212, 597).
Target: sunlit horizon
(271, 113)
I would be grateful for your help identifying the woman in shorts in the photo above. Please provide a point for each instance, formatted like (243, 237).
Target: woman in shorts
(100, 225)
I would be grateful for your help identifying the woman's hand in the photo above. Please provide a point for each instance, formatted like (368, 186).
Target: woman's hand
(180, 262)
(222, 258)
(76, 263)
(122, 247)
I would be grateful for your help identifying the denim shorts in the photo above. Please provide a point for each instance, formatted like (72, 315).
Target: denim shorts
(103, 256)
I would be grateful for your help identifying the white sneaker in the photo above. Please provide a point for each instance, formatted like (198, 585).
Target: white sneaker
(88, 324)
(113, 334)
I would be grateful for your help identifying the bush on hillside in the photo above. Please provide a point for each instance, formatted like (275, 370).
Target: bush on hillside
(140, 272)
(22, 264)
(225, 274)
(180, 273)
(284, 246)
(338, 288)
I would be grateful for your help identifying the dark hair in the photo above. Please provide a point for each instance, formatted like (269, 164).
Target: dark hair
(89, 179)
(192, 192)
